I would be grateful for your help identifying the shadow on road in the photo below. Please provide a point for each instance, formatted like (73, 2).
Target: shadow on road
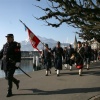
(89, 72)
(63, 91)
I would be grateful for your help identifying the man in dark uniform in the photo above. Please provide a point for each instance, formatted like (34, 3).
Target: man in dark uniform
(59, 53)
(47, 58)
(79, 57)
(11, 57)
(70, 56)
(87, 56)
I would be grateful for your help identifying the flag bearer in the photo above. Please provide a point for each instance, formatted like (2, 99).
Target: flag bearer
(47, 59)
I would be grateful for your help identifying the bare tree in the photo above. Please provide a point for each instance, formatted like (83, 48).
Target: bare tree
(82, 14)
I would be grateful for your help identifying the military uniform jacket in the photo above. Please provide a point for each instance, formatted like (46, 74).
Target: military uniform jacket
(70, 52)
(58, 53)
(47, 58)
(87, 51)
(80, 56)
(58, 57)
(47, 54)
(10, 54)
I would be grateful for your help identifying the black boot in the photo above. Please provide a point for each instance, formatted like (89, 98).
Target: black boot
(9, 94)
(17, 84)
(46, 74)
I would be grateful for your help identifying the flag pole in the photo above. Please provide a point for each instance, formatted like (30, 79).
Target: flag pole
(32, 32)
(38, 50)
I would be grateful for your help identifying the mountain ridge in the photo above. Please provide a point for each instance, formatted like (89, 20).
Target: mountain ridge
(26, 45)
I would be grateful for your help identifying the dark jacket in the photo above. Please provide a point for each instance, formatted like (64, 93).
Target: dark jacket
(80, 56)
(10, 54)
(70, 52)
(58, 53)
(87, 51)
(47, 59)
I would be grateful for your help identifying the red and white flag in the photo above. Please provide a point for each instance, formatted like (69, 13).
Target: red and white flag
(33, 39)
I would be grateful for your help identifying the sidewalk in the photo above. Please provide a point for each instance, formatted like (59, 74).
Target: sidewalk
(68, 86)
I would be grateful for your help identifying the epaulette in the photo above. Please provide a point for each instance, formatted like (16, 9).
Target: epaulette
(17, 44)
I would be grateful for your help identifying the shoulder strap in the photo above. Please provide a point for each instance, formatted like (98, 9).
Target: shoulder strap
(79, 53)
(79, 49)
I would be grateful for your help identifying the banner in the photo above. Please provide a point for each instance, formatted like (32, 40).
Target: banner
(33, 38)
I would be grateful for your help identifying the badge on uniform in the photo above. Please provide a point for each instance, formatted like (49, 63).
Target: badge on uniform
(17, 48)
(18, 44)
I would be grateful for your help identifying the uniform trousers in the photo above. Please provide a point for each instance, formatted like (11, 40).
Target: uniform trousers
(9, 76)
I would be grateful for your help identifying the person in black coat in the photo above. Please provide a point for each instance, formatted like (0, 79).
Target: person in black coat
(47, 58)
(66, 57)
(58, 54)
(87, 55)
(11, 57)
(79, 57)
(71, 56)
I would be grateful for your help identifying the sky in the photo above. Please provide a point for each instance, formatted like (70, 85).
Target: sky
(11, 11)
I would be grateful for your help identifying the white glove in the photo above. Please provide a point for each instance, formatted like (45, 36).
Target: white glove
(17, 64)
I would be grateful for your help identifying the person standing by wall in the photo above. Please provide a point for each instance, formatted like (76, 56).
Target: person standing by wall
(11, 58)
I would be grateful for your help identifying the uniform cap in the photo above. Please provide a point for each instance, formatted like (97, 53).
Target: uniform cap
(10, 35)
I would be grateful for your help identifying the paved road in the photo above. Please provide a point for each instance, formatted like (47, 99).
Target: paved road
(68, 86)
